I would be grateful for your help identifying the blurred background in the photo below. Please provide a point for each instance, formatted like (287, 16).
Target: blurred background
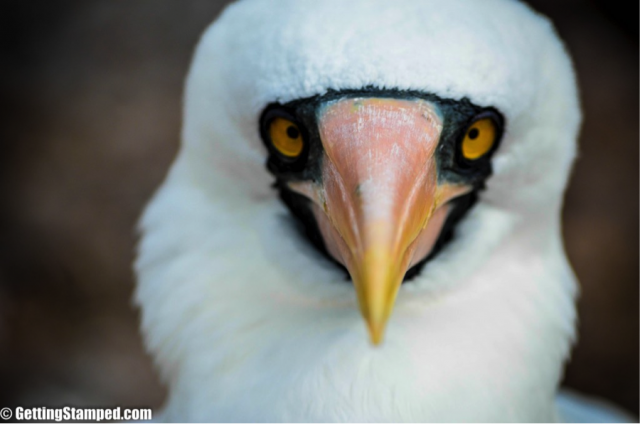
(91, 104)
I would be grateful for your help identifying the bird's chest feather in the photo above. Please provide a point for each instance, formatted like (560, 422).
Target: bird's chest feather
(263, 341)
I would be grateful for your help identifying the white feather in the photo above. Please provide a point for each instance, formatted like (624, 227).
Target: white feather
(576, 408)
(248, 323)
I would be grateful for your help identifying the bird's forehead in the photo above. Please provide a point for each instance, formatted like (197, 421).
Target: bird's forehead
(493, 53)
(287, 50)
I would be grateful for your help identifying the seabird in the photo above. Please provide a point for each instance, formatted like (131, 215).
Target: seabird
(363, 220)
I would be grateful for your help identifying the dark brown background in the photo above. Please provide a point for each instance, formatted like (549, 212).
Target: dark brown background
(90, 121)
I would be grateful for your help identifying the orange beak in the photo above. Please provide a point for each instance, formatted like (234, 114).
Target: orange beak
(379, 207)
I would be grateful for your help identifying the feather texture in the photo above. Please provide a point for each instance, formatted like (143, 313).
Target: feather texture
(248, 323)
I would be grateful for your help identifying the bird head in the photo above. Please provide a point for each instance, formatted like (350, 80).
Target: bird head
(344, 159)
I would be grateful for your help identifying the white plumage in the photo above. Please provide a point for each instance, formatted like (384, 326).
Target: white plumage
(248, 323)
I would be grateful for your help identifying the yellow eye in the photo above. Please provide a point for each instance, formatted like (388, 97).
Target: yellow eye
(479, 138)
(286, 137)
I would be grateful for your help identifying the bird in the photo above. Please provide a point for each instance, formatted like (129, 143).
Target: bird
(363, 222)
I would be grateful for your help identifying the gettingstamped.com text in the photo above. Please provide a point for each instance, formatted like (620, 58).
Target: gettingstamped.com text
(69, 413)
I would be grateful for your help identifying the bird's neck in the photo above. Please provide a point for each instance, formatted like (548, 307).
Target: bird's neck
(246, 328)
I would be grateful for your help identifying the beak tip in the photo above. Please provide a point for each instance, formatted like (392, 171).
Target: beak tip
(376, 334)
(376, 342)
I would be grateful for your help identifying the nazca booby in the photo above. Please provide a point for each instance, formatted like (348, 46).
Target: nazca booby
(432, 138)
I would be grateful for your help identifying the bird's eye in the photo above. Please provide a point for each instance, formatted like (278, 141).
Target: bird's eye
(286, 137)
(479, 138)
